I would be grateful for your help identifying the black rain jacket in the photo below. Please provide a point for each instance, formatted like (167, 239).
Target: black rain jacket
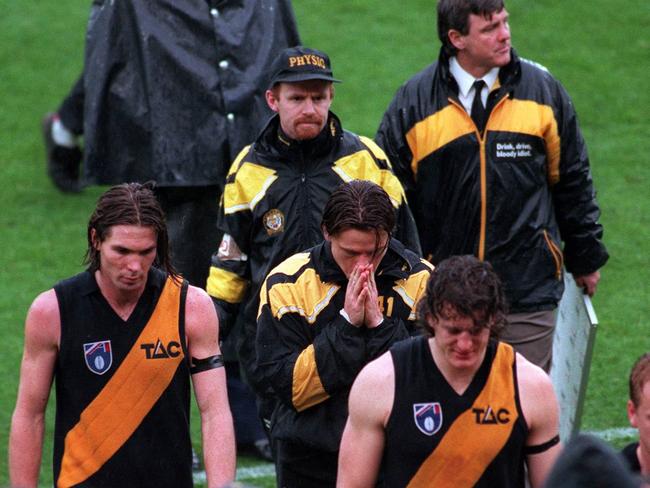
(509, 195)
(310, 354)
(272, 207)
(175, 88)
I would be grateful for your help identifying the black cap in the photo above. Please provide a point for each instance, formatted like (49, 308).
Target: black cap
(300, 64)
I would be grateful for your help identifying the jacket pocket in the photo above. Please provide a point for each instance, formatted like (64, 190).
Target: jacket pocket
(556, 253)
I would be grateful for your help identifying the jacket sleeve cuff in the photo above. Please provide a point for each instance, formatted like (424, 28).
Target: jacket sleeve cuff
(345, 315)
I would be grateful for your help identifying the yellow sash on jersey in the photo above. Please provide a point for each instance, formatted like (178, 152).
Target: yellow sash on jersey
(469, 446)
(114, 414)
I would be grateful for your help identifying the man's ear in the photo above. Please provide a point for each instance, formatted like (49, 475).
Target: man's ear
(456, 39)
(94, 239)
(271, 99)
(431, 320)
(325, 234)
(631, 413)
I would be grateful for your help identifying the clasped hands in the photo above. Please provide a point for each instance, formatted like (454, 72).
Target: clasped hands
(361, 298)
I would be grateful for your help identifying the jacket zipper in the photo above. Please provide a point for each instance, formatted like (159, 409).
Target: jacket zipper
(556, 253)
(305, 201)
(483, 159)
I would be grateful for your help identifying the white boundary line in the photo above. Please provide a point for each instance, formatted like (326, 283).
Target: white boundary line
(254, 472)
(614, 434)
(246, 473)
(268, 469)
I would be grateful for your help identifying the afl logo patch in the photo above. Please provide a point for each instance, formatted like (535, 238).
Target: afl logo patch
(98, 356)
(273, 222)
(428, 417)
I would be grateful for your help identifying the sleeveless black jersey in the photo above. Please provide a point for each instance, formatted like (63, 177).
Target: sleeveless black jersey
(122, 388)
(435, 437)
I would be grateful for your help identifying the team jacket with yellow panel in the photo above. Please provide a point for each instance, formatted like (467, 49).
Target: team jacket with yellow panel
(510, 195)
(310, 354)
(122, 388)
(272, 206)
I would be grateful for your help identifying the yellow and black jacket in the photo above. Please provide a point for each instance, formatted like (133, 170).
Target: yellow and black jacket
(310, 354)
(508, 195)
(272, 206)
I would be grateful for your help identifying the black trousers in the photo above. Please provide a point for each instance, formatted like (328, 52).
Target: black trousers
(191, 213)
(301, 466)
(71, 111)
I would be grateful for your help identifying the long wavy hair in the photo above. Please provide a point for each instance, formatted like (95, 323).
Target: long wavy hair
(129, 204)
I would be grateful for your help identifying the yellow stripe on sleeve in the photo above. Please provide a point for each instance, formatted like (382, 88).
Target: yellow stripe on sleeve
(436, 131)
(250, 186)
(377, 151)
(235, 163)
(289, 266)
(226, 285)
(307, 296)
(412, 289)
(307, 388)
(362, 166)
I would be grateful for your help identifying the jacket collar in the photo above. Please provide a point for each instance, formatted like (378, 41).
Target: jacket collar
(508, 75)
(395, 263)
(466, 81)
(272, 139)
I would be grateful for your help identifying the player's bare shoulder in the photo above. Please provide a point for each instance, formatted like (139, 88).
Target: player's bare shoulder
(43, 323)
(198, 300)
(374, 387)
(530, 376)
(535, 390)
(200, 316)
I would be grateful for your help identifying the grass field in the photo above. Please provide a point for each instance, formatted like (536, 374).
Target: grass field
(600, 50)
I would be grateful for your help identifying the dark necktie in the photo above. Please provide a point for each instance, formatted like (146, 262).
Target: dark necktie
(478, 110)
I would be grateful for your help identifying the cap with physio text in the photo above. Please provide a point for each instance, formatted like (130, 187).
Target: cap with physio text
(300, 64)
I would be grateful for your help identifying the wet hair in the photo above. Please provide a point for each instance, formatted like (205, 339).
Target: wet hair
(129, 204)
(454, 14)
(466, 286)
(361, 205)
(639, 376)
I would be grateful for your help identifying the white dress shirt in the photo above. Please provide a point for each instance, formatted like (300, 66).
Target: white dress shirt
(466, 81)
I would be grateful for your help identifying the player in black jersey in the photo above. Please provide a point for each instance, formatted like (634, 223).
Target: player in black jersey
(455, 407)
(121, 340)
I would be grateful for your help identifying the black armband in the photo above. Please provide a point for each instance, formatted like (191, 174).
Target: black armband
(198, 365)
(542, 447)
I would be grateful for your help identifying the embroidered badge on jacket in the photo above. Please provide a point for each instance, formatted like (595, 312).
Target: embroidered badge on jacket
(273, 222)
